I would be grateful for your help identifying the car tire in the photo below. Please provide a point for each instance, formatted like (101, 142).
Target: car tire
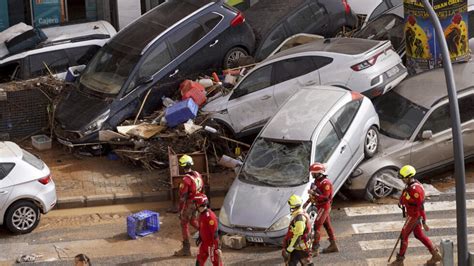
(371, 142)
(377, 189)
(22, 217)
(232, 57)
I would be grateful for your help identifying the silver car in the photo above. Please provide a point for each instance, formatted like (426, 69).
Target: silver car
(26, 189)
(416, 129)
(319, 123)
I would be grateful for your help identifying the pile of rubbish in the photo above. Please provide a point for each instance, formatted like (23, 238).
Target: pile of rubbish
(181, 126)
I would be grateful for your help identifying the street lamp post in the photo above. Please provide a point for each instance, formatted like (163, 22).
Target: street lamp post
(459, 172)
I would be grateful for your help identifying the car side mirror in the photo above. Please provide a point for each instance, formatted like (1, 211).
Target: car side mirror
(239, 92)
(426, 134)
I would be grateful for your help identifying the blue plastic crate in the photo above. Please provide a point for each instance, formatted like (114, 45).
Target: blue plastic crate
(143, 223)
(181, 112)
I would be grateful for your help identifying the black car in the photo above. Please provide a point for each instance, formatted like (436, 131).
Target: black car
(275, 20)
(176, 40)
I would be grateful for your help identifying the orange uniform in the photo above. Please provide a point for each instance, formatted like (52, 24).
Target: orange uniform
(321, 194)
(208, 233)
(192, 185)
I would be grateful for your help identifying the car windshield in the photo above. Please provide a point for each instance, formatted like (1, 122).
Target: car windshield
(108, 70)
(386, 27)
(32, 160)
(276, 163)
(398, 116)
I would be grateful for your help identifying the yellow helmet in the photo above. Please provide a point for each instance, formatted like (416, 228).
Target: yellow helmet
(295, 201)
(186, 161)
(406, 171)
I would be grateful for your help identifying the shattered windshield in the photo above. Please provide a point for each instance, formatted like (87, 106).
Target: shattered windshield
(398, 116)
(108, 70)
(273, 163)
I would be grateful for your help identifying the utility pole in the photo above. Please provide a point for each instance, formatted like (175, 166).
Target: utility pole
(459, 168)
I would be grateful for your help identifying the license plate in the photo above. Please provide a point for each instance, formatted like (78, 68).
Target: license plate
(255, 239)
(394, 70)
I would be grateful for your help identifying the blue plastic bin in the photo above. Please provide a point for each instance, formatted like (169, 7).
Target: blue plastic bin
(180, 112)
(143, 223)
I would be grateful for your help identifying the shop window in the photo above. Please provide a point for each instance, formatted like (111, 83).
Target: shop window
(19, 11)
(76, 10)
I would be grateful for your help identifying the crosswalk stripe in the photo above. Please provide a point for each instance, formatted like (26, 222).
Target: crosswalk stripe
(409, 260)
(388, 243)
(393, 208)
(393, 226)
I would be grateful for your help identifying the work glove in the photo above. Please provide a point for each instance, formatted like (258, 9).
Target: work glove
(425, 226)
(198, 241)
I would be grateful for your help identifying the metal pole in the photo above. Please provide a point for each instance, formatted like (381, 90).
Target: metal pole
(459, 171)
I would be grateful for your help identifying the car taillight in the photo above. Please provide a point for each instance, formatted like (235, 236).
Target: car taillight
(239, 19)
(367, 63)
(45, 180)
(347, 7)
(356, 96)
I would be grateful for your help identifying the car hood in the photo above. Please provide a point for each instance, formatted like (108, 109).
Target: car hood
(76, 109)
(255, 206)
(389, 145)
(217, 104)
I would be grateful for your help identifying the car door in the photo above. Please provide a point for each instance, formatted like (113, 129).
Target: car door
(293, 73)
(438, 150)
(6, 187)
(349, 129)
(252, 103)
(269, 43)
(308, 20)
(466, 109)
(333, 151)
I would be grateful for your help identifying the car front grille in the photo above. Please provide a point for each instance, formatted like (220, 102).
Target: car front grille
(65, 134)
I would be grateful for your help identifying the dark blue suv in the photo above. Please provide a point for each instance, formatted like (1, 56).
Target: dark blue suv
(176, 40)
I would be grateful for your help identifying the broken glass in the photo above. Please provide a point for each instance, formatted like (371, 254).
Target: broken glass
(277, 163)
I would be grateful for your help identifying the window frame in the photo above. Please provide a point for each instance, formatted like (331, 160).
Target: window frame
(272, 71)
(333, 148)
(4, 172)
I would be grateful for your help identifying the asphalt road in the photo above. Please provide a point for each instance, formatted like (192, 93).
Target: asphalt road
(366, 234)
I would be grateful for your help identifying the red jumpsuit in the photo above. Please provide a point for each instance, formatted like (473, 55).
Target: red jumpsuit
(208, 232)
(192, 184)
(321, 198)
(413, 197)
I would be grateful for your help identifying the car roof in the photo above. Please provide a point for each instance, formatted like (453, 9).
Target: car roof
(138, 35)
(348, 46)
(9, 150)
(434, 82)
(301, 113)
(265, 14)
(72, 31)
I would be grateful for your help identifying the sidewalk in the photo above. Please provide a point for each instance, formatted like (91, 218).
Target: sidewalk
(83, 181)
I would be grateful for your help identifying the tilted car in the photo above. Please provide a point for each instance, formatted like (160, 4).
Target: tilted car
(366, 66)
(415, 129)
(275, 20)
(177, 40)
(66, 46)
(26, 189)
(323, 124)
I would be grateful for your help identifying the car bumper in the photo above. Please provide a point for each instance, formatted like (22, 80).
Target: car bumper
(48, 197)
(273, 238)
(86, 140)
(387, 81)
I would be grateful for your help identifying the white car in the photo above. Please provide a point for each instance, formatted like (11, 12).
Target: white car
(65, 47)
(366, 66)
(26, 189)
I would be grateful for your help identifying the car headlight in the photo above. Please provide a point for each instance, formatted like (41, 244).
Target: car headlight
(223, 218)
(281, 224)
(97, 123)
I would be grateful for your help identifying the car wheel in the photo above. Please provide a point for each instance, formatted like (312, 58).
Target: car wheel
(232, 57)
(371, 142)
(22, 217)
(379, 189)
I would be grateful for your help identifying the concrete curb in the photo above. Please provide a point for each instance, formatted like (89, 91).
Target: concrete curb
(121, 198)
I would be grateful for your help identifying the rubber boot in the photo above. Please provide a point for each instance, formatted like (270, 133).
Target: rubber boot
(185, 250)
(398, 261)
(315, 249)
(435, 257)
(331, 248)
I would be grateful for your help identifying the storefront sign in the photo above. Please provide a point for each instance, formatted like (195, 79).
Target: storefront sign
(47, 12)
(4, 23)
(422, 50)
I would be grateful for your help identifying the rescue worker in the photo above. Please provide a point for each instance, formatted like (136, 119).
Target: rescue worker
(208, 240)
(297, 242)
(412, 199)
(191, 185)
(320, 195)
